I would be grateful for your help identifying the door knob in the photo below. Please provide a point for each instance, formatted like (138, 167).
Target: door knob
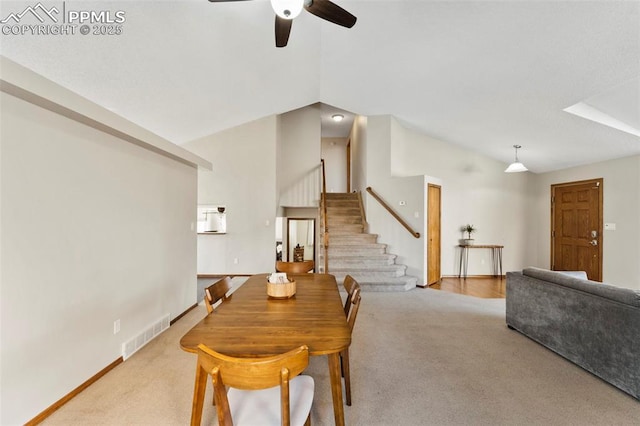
(594, 242)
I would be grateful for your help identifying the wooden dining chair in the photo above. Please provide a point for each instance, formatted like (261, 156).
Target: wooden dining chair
(294, 267)
(216, 292)
(213, 294)
(349, 285)
(351, 311)
(265, 390)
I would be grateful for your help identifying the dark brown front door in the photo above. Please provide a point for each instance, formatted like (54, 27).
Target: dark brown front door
(433, 234)
(576, 227)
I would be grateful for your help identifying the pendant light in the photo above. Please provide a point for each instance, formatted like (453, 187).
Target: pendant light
(516, 166)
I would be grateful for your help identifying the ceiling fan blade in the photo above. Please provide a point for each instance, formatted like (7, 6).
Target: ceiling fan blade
(283, 29)
(331, 12)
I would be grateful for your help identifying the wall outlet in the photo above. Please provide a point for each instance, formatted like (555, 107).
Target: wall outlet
(116, 326)
(235, 260)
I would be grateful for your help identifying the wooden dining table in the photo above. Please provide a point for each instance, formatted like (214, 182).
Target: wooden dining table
(252, 324)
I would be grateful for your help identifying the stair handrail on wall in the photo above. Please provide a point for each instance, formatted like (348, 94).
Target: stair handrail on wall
(323, 202)
(393, 213)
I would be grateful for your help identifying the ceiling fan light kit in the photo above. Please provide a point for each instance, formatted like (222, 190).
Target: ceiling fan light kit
(286, 10)
(516, 166)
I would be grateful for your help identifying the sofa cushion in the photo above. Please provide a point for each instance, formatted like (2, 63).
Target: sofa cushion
(619, 294)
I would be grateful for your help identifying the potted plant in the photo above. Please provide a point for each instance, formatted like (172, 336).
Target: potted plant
(469, 229)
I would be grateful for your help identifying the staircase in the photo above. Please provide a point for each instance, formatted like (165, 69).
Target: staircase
(357, 253)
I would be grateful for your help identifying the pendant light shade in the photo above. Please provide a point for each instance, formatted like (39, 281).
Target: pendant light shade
(516, 166)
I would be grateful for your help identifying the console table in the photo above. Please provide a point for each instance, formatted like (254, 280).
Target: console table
(496, 258)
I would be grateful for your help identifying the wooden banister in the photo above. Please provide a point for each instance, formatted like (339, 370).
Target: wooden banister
(323, 201)
(393, 213)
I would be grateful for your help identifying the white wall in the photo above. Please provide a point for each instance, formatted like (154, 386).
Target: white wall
(475, 190)
(621, 205)
(258, 168)
(299, 173)
(244, 180)
(410, 190)
(93, 229)
(508, 209)
(513, 209)
(334, 153)
(358, 137)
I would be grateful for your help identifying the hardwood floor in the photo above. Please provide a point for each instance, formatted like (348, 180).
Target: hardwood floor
(484, 287)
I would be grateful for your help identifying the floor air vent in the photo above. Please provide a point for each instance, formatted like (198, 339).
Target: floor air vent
(134, 344)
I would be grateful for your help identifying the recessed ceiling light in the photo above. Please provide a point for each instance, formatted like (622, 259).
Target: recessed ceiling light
(337, 117)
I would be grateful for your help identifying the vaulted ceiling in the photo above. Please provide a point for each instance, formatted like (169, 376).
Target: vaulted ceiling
(480, 74)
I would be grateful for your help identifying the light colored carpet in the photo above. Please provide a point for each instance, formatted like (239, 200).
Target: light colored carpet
(423, 357)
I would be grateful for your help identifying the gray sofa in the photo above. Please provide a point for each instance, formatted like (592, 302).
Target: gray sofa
(594, 325)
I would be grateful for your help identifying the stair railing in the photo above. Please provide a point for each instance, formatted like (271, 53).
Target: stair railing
(393, 213)
(323, 202)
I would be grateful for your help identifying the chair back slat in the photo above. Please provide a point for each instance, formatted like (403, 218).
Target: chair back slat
(350, 285)
(254, 373)
(294, 267)
(355, 306)
(216, 292)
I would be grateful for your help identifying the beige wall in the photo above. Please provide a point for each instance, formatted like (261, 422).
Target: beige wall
(507, 209)
(358, 138)
(334, 154)
(244, 180)
(258, 169)
(408, 249)
(621, 205)
(94, 229)
(299, 173)
(475, 190)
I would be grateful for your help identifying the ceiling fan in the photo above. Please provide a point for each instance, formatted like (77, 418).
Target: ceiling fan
(286, 10)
